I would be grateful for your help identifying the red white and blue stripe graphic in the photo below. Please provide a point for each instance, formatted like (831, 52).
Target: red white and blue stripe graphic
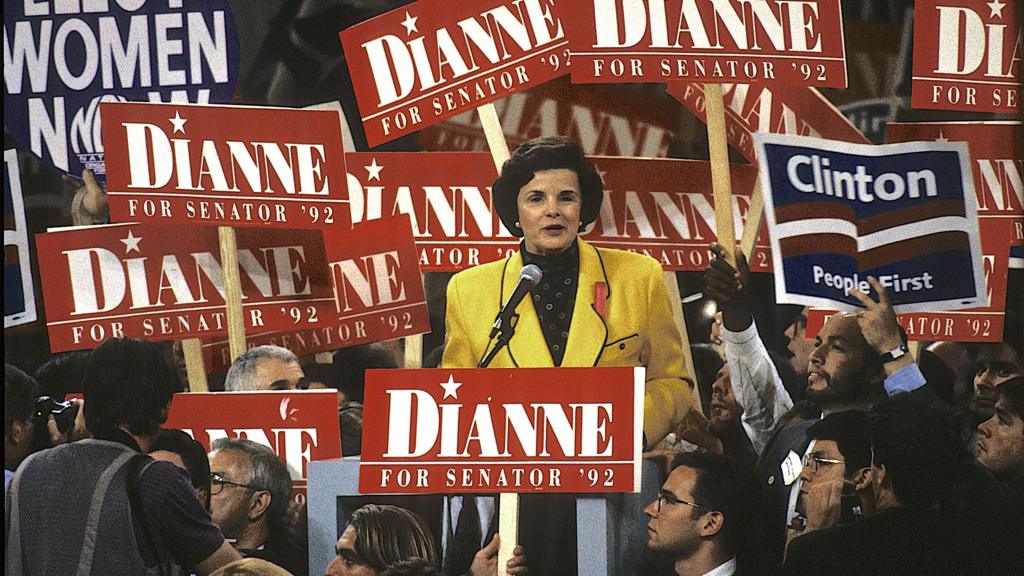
(840, 212)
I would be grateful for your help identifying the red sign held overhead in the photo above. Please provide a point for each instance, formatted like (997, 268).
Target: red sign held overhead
(605, 119)
(300, 427)
(502, 430)
(750, 108)
(660, 207)
(999, 187)
(378, 287)
(967, 56)
(224, 165)
(160, 282)
(433, 59)
(723, 41)
(996, 157)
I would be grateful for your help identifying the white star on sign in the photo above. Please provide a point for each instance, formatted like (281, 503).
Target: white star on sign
(374, 170)
(178, 122)
(131, 243)
(996, 7)
(942, 137)
(410, 24)
(450, 388)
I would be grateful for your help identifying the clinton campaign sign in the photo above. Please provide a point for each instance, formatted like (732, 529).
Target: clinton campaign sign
(903, 213)
(62, 59)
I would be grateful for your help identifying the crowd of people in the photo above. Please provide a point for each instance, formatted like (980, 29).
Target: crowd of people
(882, 464)
(845, 453)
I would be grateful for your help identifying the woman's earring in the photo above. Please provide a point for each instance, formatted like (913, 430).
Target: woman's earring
(517, 224)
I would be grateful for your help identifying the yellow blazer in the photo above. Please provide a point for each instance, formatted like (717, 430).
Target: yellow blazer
(636, 330)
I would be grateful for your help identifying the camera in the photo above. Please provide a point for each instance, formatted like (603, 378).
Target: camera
(64, 413)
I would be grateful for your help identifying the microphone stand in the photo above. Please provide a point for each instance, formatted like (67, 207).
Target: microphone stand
(506, 329)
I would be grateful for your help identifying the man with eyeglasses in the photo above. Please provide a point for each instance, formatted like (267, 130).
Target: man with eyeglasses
(705, 519)
(250, 494)
(874, 492)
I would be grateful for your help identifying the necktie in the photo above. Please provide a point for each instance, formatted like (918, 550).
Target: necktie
(465, 543)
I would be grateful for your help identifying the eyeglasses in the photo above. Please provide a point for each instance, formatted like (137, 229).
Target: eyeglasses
(670, 498)
(217, 483)
(811, 462)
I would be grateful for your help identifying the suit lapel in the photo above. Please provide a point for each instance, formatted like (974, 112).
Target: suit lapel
(528, 346)
(588, 332)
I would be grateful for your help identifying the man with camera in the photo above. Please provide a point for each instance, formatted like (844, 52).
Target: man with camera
(67, 507)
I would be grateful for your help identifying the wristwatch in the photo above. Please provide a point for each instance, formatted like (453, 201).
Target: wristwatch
(896, 353)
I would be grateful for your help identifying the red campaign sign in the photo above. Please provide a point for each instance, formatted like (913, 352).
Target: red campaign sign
(662, 208)
(502, 430)
(996, 154)
(981, 324)
(433, 59)
(165, 282)
(605, 119)
(967, 56)
(750, 108)
(300, 427)
(224, 165)
(774, 41)
(378, 287)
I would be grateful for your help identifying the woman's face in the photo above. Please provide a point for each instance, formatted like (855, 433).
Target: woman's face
(549, 211)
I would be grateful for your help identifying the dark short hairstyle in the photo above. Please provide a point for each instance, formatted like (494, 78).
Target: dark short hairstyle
(63, 373)
(728, 486)
(1012, 393)
(915, 438)
(192, 454)
(266, 472)
(19, 396)
(129, 382)
(706, 364)
(548, 153)
(846, 429)
(940, 377)
(351, 364)
(386, 535)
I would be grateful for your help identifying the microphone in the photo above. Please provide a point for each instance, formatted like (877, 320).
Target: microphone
(528, 278)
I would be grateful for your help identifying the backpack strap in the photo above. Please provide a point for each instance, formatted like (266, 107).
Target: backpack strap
(136, 468)
(92, 525)
(13, 562)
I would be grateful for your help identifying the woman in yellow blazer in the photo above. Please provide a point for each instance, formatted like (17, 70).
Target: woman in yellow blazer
(592, 307)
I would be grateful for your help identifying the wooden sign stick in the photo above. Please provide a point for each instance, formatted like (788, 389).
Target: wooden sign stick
(508, 503)
(413, 345)
(680, 319)
(232, 290)
(192, 349)
(755, 213)
(721, 182)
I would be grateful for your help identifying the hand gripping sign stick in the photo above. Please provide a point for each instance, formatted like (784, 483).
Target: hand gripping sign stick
(508, 503)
